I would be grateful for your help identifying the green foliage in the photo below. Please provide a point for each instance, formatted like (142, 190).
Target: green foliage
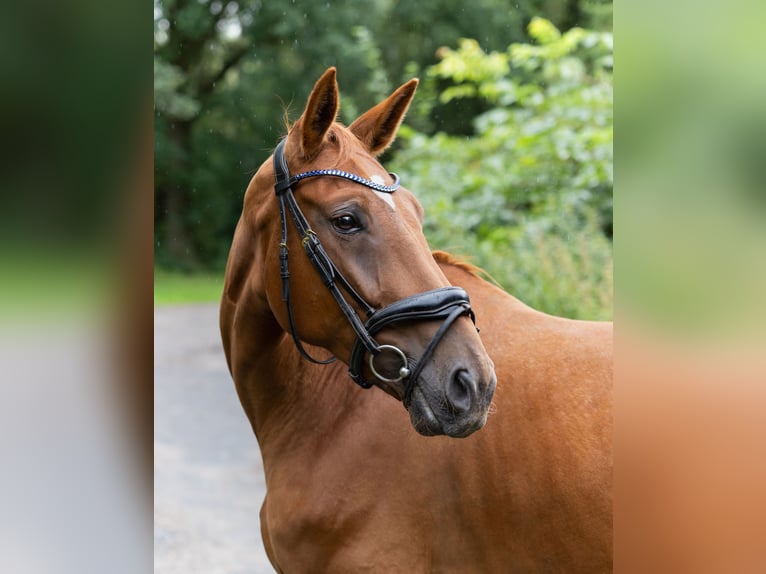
(528, 196)
(168, 99)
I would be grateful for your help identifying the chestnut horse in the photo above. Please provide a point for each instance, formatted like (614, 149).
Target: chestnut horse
(329, 258)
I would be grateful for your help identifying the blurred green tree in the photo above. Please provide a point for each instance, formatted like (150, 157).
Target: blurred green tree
(220, 70)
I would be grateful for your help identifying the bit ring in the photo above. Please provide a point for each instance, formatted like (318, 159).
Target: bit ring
(404, 371)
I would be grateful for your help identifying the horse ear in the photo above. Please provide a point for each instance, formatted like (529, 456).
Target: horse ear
(377, 127)
(320, 112)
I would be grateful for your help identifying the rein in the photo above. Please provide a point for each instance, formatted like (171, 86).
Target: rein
(444, 303)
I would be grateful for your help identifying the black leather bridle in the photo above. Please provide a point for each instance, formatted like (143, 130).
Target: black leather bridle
(445, 303)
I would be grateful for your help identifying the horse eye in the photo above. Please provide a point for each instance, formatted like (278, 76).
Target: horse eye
(346, 223)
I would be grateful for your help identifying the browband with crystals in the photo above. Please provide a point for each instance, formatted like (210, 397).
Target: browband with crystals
(345, 175)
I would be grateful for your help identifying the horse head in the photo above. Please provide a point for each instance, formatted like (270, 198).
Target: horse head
(342, 263)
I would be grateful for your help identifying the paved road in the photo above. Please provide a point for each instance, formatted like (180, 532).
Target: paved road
(208, 478)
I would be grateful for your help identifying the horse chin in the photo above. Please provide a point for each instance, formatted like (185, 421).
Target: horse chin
(426, 422)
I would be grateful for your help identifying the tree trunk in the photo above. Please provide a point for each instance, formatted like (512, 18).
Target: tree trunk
(178, 237)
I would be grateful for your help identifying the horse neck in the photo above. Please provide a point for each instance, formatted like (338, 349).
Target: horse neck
(288, 396)
(278, 388)
(482, 293)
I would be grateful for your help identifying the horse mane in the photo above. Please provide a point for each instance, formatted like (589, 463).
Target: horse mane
(449, 259)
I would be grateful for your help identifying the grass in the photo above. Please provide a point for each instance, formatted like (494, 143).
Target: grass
(42, 285)
(177, 288)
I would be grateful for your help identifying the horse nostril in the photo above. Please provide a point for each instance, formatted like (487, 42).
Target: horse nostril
(461, 391)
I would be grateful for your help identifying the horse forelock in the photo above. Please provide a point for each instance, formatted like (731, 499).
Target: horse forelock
(342, 141)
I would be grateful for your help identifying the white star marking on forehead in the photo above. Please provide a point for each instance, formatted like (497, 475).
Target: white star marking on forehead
(384, 196)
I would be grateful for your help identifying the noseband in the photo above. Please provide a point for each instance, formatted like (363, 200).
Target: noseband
(445, 304)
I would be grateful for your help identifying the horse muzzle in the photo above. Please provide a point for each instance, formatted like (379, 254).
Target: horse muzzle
(456, 408)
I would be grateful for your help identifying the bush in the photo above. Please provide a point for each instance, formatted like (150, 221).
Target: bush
(528, 196)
